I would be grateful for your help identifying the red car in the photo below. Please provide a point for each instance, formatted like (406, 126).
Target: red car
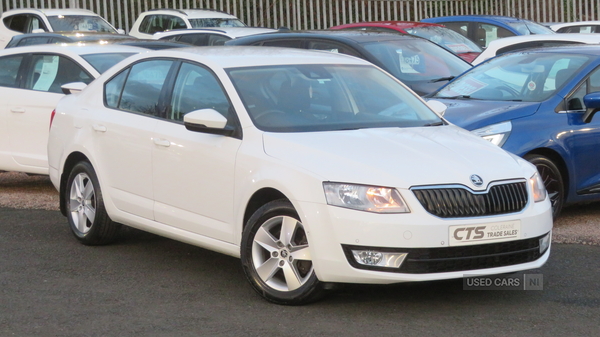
(439, 34)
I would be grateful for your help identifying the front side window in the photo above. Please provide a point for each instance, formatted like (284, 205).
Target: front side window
(17, 22)
(143, 87)
(68, 23)
(486, 33)
(416, 60)
(589, 85)
(160, 23)
(197, 88)
(49, 72)
(529, 77)
(306, 98)
(9, 69)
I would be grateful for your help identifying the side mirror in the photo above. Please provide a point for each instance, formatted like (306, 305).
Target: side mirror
(73, 87)
(437, 107)
(121, 31)
(592, 104)
(207, 121)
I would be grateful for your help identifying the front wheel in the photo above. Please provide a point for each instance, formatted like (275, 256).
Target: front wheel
(276, 258)
(86, 214)
(553, 181)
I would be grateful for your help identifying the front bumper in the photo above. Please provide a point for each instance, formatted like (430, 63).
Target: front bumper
(334, 231)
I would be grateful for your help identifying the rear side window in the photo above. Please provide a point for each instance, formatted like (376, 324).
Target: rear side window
(33, 41)
(331, 47)
(284, 43)
(159, 23)
(142, 89)
(18, 23)
(195, 39)
(9, 68)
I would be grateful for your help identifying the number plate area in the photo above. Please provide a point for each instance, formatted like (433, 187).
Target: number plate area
(463, 235)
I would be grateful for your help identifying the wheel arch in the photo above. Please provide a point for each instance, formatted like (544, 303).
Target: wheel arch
(70, 162)
(259, 198)
(557, 159)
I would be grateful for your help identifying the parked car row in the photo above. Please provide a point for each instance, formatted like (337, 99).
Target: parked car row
(367, 155)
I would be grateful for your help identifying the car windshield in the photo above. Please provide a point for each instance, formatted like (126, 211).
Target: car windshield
(104, 61)
(416, 60)
(530, 27)
(528, 77)
(305, 98)
(216, 22)
(68, 23)
(445, 37)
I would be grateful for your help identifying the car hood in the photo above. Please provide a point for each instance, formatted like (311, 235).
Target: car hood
(473, 114)
(397, 157)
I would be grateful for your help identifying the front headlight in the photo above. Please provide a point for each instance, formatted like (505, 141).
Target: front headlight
(365, 198)
(497, 134)
(537, 185)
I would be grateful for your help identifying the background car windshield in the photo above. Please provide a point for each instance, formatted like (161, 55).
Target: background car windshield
(416, 60)
(68, 23)
(445, 37)
(216, 22)
(528, 28)
(103, 62)
(302, 98)
(530, 77)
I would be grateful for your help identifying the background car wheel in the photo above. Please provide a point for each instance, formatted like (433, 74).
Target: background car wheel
(552, 181)
(86, 214)
(276, 258)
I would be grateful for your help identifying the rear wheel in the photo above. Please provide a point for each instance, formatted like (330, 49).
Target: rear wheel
(86, 213)
(552, 181)
(276, 258)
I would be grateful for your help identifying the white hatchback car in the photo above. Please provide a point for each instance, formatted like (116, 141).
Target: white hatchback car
(30, 87)
(31, 20)
(160, 20)
(312, 167)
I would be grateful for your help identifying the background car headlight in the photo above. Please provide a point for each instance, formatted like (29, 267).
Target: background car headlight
(537, 185)
(365, 198)
(497, 134)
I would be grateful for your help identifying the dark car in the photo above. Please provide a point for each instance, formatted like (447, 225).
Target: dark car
(89, 37)
(419, 63)
(483, 29)
(538, 104)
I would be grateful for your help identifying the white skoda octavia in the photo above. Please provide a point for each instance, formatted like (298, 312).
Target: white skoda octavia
(314, 168)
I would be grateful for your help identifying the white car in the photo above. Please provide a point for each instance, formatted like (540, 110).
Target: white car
(160, 20)
(208, 36)
(312, 167)
(577, 27)
(31, 20)
(513, 43)
(30, 87)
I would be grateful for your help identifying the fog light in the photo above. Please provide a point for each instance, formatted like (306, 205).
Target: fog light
(545, 242)
(379, 259)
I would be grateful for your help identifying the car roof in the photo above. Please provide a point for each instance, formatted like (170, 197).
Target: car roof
(229, 31)
(398, 24)
(352, 36)
(556, 26)
(52, 11)
(577, 37)
(587, 49)
(193, 13)
(476, 17)
(73, 49)
(246, 56)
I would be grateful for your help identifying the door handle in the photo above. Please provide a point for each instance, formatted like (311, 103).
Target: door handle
(161, 142)
(99, 128)
(17, 110)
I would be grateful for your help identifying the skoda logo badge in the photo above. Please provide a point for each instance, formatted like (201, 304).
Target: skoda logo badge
(476, 180)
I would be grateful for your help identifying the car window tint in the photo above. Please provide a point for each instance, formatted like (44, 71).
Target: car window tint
(17, 23)
(331, 47)
(195, 39)
(197, 88)
(33, 41)
(217, 40)
(284, 43)
(50, 72)
(144, 85)
(9, 68)
(113, 89)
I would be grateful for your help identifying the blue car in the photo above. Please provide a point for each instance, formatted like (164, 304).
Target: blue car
(483, 29)
(538, 104)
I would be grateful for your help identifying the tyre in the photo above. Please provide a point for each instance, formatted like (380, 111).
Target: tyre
(276, 258)
(553, 181)
(86, 213)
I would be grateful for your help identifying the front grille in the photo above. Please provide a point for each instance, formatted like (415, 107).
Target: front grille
(458, 202)
(462, 258)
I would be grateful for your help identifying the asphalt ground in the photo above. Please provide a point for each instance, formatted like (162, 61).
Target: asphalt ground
(145, 285)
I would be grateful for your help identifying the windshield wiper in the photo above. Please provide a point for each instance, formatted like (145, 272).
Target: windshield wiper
(435, 124)
(442, 79)
(454, 97)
